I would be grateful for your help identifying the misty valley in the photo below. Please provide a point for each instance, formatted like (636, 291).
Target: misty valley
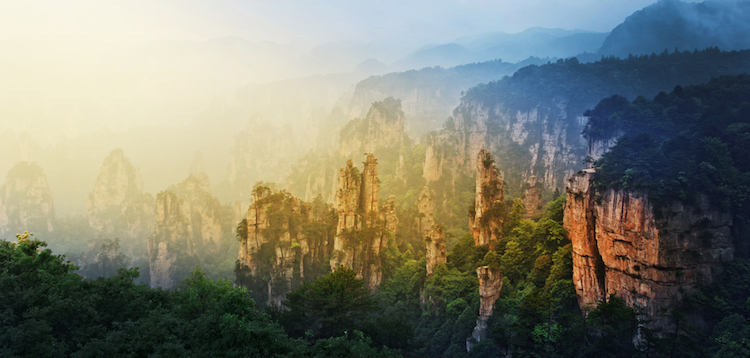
(589, 198)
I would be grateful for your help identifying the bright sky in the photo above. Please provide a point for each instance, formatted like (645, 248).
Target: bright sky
(308, 21)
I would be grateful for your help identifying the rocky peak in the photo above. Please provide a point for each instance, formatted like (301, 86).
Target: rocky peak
(490, 193)
(118, 206)
(190, 224)
(620, 247)
(532, 199)
(358, 226)
(382, 127)
(26, 201)
(490, 285)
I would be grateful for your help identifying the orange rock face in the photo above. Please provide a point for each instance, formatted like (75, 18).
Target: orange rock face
(490, 285)
(621, 248)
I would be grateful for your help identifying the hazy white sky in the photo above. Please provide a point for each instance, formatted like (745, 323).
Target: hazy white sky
(307, 21)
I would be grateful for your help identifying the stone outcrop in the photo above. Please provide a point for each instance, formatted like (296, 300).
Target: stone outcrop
(361, 232)
(490, 285)
(490, 193)
(278, 246)
(532, 199)
(432, 234)
(621, 247)
(382, 127)
(190, 225)
(26, 201)
(118, 207)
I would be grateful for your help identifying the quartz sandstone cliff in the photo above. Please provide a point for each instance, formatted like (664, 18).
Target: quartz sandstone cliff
(432, 234)
(621, 247)
(490, 285)
(361, 233)
(190, 224)
(285, 243)
(490, 193)
(26, 201)
(532, 199)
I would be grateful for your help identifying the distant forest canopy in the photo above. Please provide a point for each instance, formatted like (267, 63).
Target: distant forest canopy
(584, 84)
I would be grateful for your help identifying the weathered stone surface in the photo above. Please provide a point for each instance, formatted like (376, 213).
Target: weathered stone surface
(489, 194)
(543, 140)
(275, 226)
(361, 233)
(118, 207)
(579, 220)
(649, 262)
(347, 203)
(532, 199)
(26, 201)
(192, 223)
(432, 234)
(490, 285)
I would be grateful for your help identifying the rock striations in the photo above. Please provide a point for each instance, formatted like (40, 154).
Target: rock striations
(26, 201)
(361, 232)
(432, 234)
(620, 247)
(490, 193)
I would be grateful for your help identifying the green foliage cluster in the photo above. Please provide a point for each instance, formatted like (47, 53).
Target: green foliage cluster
(679, 146)
(49, 311)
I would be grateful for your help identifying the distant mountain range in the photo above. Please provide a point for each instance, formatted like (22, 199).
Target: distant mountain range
(670, 24)
(535, 41)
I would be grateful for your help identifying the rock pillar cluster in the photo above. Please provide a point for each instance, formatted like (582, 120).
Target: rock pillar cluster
(620, 247)
(361, 232)
(432, 234)
(485, 224)
(276, 250)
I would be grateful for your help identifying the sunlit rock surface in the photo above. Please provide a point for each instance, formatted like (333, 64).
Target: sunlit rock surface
(621, 247)
(360, 232)
(432, 234)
